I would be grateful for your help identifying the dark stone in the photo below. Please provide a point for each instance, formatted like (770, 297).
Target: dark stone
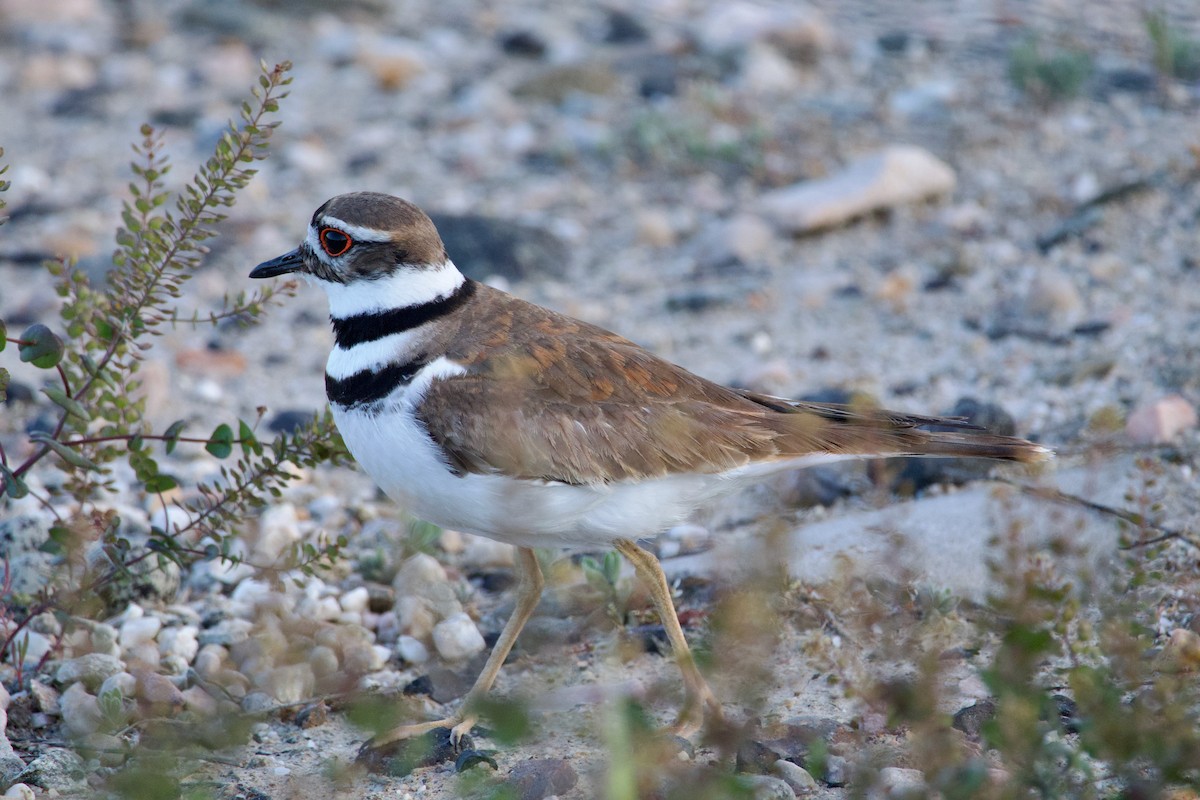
(380, 598)
(1129, 79)
(420, 685)
(696, 300)
(895, 42)
(175, 117)
(624, 28)
(653, 639)
(313, 715)
(525, 44)
(542, 777)
(83, 102)
(915, 474)
(42, 423)
(757, 757)
(1068, 713)
(485, 246)
(399, 758)
(290, 420)
(1093, 327)
(496, 582)
(470, 758)
(970, 720)
(448, 684)
(817, 486)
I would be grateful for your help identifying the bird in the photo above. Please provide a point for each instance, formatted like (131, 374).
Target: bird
(481, 412)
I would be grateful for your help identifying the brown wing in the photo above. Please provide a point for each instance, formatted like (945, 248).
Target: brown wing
(549, 397)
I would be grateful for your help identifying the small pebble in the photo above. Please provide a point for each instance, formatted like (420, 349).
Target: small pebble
(90, 670)
(457, 638)
(1160, 421)
(796, 776)
(123, 683)
(19, 791)
(411, 650)
(138, 631)
(899, 782)
(181, 641)
(80, 712)
(291, 683)
(355, 600)
(539, 778)
(767, 787)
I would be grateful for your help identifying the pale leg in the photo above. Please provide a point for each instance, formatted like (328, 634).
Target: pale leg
(529, 592)
(699, 701)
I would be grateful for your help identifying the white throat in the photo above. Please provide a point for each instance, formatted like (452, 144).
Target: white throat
(406, 286)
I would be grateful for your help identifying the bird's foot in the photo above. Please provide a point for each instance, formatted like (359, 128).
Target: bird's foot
(700, 709)
(407, 747)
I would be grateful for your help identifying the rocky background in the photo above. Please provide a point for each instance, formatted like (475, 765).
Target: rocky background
(828, 200)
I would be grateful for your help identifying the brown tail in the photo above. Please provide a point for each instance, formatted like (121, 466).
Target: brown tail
(828, 427)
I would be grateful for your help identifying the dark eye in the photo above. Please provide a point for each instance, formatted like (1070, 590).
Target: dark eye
(334, 242)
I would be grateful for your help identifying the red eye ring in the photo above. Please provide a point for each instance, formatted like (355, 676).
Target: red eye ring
(334, 242)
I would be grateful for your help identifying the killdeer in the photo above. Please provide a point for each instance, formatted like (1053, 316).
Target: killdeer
(481, 412)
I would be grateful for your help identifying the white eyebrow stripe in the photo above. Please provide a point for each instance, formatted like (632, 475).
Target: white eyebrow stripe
(356, 232)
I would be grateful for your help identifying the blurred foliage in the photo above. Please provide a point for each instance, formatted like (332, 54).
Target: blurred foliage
(1048, 75)
(1175, 55)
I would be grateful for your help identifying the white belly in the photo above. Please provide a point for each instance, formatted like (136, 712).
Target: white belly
(394, 448)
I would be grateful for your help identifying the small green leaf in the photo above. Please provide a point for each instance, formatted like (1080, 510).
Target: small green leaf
(220, 443)
(3, 384)
(249, 442)
(65, 452)
(160, 483)
(3, 335)
(71, 406)
(42, 347)
(14, 487)
(172, 434)
(612, 567)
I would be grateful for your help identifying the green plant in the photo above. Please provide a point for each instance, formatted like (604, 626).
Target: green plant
(1048, 77)
(1174, 54)
(95, 358)
(604, 576)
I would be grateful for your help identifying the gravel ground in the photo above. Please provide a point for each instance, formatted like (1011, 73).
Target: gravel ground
(629, 150)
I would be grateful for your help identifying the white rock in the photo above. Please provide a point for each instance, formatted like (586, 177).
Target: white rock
(251, 592)
(766, 71)
(5, 698)
(412, 650)
(323, 608)
(355, 599)
(736, 24)
(457, 638)
(1054, 300)
(19, 791)
(414, 617)
(654, 228)
(895, 175)
(181, 641)
(767, 787)
(80, 711)
(795, 776)
(1160, 421)
(123, 683)
(105, 639)
(417, 574)
(899, 782)
(744, 239)
(91, 669)
(139, 631)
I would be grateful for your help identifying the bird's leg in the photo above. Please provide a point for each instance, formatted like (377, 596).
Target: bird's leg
(529, 592)
(699, 701)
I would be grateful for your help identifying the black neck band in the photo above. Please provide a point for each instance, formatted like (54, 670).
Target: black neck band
(362, 328)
